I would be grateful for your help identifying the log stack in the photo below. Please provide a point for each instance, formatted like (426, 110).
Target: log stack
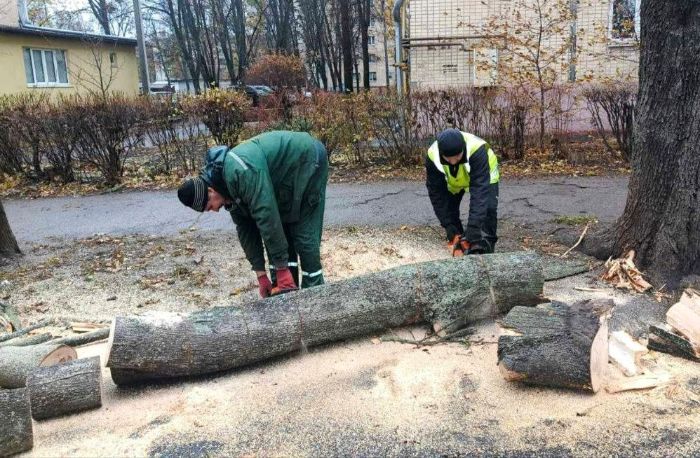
(556, 345)
(449, 294)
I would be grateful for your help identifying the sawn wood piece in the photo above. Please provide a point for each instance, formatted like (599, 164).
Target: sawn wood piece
(556, 345)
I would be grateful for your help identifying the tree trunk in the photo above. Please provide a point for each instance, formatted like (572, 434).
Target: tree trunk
(449, 294)
(17, 362)
(16, 434)
(364, 11)
(556, 345)
(8, 243)
(661, 221)
(346, 44)
(385, 44)
(65, 388)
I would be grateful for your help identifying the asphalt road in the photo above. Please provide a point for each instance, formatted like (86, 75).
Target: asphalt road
(375, 204)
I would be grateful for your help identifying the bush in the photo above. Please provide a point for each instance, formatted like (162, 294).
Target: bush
(499, 115)
(393, 127)
(223, 112)
(109, 129)
(617, 100)
(26, 116)
(177, 134)
(61, 129)
(11, 157)
(278, 71)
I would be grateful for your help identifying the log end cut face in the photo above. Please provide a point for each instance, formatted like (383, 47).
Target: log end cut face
(62, 354)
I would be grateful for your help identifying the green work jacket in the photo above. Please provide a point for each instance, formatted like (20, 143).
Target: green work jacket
(266, 178)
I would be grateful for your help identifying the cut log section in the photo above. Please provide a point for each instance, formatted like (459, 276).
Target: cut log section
(685, 317)
(16, 434)
(626, 352)
(17, 362)
(448, 293)
(556, 345)
(65, 388)
(665, 339)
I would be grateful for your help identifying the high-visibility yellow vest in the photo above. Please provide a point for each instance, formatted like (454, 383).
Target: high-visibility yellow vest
(456, 184)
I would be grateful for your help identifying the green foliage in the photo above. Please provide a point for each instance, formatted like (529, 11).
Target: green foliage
(223, 112)
(574, 220)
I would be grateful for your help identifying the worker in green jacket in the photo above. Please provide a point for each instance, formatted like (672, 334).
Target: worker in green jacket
(274, 186)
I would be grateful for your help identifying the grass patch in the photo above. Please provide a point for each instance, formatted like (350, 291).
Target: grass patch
(574, 220)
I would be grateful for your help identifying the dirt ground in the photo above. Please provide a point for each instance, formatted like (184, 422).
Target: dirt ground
(362, 397)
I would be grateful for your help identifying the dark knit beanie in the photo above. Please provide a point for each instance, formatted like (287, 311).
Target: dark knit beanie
(451, 143)
(194, 194)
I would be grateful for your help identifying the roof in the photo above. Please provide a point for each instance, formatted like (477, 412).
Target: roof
(67, 34)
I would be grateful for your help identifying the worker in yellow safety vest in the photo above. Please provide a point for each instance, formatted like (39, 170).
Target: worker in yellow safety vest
(458, 161)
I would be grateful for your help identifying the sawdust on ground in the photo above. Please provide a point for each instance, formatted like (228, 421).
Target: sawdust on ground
(355, 397)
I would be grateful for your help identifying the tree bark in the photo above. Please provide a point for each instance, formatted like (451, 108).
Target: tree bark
(364, 12)
(16, 434)
(449, 294)
(66, 388)
(556, 345)
(8, 243)
(17, 362)
(661, 221)
(346, 44)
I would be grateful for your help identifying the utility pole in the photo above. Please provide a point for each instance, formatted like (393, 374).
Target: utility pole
(143, 64)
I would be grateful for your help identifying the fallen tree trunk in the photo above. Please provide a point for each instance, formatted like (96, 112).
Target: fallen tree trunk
(65, 388)
(16, 434)
(556, 345)
(17, 362)
(449, 294)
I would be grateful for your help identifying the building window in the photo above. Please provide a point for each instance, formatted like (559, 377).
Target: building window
(371, 39)
(45, 67)
(624, 19)
(373, 76)
(113, 59)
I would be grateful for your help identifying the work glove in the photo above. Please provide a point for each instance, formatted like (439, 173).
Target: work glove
(455, 246)
(285, 282)
(264, 286)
